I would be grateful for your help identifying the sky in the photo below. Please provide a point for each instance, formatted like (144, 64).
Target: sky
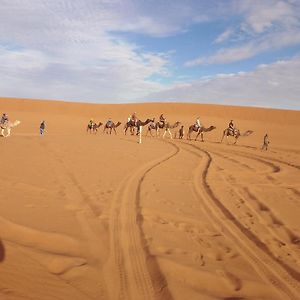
(232, 52)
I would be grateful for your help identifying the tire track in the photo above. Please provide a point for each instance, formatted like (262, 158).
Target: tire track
(253, 206)
(135, 274)
(266, 160)
(261, 206)
(283, 278)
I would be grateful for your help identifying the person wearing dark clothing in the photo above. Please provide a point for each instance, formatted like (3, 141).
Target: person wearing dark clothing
(4, 119)
(42, 128)
(162, 119)
(266, 142)
(231, 126)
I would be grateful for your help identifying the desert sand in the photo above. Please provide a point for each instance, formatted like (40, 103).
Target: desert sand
(99, 216)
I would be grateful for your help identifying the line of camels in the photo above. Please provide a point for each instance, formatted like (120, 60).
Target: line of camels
(135, 128)
(5, 129)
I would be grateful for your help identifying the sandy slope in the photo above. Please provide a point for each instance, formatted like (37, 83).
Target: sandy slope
(86, 216)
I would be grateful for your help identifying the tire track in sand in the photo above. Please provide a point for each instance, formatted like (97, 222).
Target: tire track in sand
(274, 232)
(284, 279)
(134, 273)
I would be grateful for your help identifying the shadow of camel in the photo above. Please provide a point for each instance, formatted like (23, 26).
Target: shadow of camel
(2, 251)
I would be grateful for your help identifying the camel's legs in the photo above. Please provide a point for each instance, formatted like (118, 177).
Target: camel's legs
(140, 138)
(150, 130)
(7, 132)
(222, 138)
(188, 136)
(169, 132)
(115, 130)
(201, 134)
(157, 132)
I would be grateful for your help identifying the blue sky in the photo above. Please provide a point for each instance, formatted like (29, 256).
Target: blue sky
(236, 52)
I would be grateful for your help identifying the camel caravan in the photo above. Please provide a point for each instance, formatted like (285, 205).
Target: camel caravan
(135, 127)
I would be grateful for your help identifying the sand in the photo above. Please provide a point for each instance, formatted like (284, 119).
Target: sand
(99, 216)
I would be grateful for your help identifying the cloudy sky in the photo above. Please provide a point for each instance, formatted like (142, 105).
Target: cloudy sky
(238, 52)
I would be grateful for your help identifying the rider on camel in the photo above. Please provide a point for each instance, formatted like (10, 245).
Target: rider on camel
(4, 119)
(109, 122)
(197, 123)
(91, 123)
(162, 119)
(134, 118)
(231, 126)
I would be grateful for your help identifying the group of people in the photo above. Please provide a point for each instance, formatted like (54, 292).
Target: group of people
(4, 120)
(133, 118)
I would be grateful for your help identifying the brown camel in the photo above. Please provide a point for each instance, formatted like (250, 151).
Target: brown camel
(199, 130)
(93, 127)
(167, 126)
(109, 126)
(138, 124)
(159, 125)
(234, 133)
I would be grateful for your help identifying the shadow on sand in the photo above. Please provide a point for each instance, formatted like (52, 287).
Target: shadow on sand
(2, 251)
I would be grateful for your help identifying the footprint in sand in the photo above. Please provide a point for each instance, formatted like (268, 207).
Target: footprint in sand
(233, 282)
(199, 258)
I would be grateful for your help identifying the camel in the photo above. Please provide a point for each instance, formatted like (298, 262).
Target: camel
(139, 125)
(132, 125)
(159, 125)
(7, 127)
(111, 126)
(151, 126)
(234, 133)
(94, 127)
(199, 130)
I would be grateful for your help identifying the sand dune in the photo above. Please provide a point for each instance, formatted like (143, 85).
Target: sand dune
(99, 216)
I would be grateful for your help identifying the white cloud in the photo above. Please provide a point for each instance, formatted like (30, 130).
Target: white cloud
(262, 15)
(276, 85)
(79, 49)
(265, 26)
(224, 36)
(269, 42)
(67, 50)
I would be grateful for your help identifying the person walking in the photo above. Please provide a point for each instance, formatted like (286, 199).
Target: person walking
(266, 142)
(42, 128)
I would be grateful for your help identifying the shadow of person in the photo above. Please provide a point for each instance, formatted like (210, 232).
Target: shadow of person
(2, 251)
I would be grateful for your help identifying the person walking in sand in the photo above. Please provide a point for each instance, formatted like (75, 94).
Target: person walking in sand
(42, 128)
(266, 142)
(181, 132)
